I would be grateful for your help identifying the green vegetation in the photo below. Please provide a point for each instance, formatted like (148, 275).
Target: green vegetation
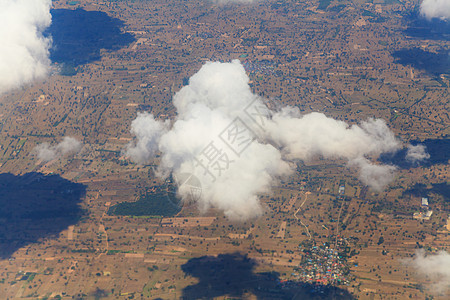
(21, 143)
(112, 252)
(251, 41)
(368, 13)
(41, 135)
(153, 268)
(68, 70)
(60, 121)
(31, 276)
(83, 250)
(109, 151)
(323, 4)
(150, 204)
(337, 8)
(378, 20)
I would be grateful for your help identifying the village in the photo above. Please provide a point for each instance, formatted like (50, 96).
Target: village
(322, 231)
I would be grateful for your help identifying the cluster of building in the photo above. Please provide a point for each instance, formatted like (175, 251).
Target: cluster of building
(425, 213)
(323, 265)
(264, 67)
(342, 188)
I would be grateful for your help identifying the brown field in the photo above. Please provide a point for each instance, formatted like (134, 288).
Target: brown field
(337, 61)
(187, 222)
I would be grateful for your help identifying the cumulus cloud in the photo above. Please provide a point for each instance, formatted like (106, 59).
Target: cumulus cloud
(68, 146)
(305, 136)
(237, 147)
(148, 131)
(24, 51)
(435, 9)
(416, 154)
(375, 176)
(435, 267)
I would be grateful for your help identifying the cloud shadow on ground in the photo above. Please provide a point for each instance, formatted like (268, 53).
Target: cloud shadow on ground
(421, 28)
(437, 148)
(233, 275)
(79, 35)
(435, 63)
(34, 207)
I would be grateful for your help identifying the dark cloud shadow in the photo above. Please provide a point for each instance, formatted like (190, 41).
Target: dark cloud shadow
(79, 35)
(233, 275)
(417, 27)
(433, 63)
(422, 190)
(437, 148)
(34, 206)
(421, 28)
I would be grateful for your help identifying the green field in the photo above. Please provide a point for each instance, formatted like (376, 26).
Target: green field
(150, 204)
(323, 4)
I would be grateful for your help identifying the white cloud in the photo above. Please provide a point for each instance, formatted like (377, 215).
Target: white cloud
(435, 267)
(435, 9)
(315, 134)
(416, 154)
(148, 131)
(45, 152)
(375, 176)
(250, 146)
(24, 52)
(67, 146)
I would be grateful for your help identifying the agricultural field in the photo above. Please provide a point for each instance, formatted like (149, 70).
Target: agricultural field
(96, 225)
